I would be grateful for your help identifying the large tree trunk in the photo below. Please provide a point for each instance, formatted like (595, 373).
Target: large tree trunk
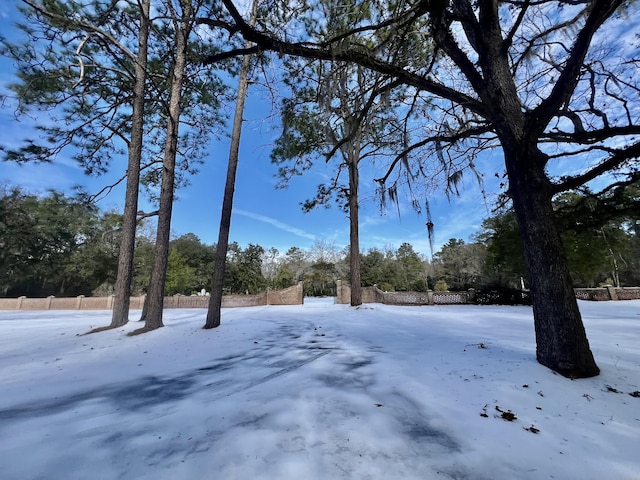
(217, 283)
(561, 339)
(154, 302)
(120, 314)
(354, 235)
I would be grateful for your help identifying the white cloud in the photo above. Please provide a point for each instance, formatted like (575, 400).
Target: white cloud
(36, 178)
(275, 223)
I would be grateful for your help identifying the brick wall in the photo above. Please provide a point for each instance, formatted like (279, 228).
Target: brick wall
(628, 293)
(183, 301)
(244, 300)
(292, 296)
(288, 296)
(408, 298)
(608, 293)
(451, 298)
(375, 295)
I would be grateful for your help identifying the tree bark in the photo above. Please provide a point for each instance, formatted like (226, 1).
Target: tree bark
(122, 289)
(154, 302)
(561, 340)
(354, 234)
(217, 283)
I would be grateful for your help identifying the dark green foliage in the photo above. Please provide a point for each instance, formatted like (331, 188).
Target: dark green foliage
(600, 233)
(600, 239)
(189, 265)
(400, 270)
(198, 257)
(285, 277)
(180, 275)
(243, 274)
(459, 264)
(291, 269)
(142, 265)
(504, 265)
(372, 268)
(54, 245)
(502, 296)
(320, 280)
(410, 269)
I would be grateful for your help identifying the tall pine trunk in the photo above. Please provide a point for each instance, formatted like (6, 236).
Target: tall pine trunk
(120, 314)
(217, 283)
(154, 303)
(561, 340)
(354, 233)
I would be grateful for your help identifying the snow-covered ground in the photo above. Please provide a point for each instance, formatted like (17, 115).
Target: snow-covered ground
(318, 391)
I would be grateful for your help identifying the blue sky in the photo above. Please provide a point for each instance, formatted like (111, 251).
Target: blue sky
(262, 214)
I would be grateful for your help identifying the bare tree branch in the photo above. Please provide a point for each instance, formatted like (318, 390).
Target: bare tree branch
(565, 85)
(337, 52)
(614, 161)
(429, 140)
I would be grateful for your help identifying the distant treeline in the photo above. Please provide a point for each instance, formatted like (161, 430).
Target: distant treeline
(59, 245)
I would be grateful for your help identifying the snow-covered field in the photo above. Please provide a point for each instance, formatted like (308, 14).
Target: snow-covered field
(319, 391)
